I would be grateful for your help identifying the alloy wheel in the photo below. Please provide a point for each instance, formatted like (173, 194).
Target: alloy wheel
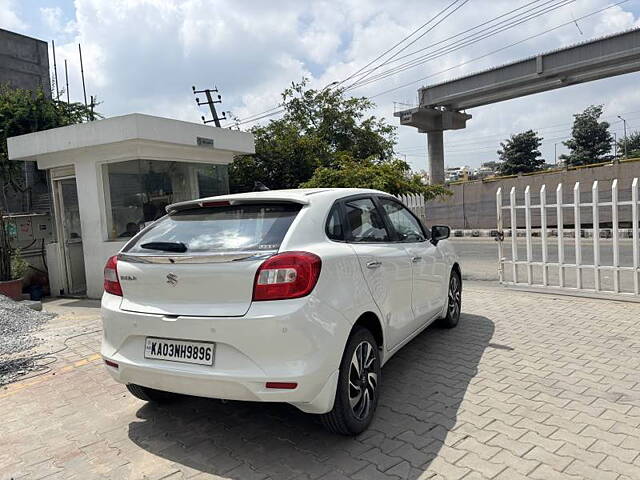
(363, 380)
(454, 296)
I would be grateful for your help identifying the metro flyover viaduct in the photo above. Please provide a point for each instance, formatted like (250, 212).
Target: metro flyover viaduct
(440, 106)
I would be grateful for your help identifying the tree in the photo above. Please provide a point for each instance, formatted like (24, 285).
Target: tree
(393, 176)
(25, 111)
(318, 127)
(633, 146)
(520, 154)
(591, 140)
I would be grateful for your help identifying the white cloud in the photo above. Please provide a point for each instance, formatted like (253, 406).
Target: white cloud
(145, 55)
(9, 19)
(52, 17)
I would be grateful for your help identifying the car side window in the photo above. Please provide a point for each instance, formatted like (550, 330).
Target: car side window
(404, 222)
(334, 228)
(365, 222)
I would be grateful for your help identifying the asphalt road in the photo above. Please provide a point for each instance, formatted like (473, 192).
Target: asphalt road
(479, 259)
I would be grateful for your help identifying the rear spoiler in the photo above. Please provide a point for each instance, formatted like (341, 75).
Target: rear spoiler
(224, 202)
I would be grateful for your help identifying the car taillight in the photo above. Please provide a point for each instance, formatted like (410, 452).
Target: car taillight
(287, 275)
(111, 280)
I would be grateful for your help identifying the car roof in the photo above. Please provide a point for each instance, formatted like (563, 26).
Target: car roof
(303, 196)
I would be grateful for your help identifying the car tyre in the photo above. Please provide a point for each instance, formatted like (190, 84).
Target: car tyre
(454, 301)
(358, 388)
(151, 395)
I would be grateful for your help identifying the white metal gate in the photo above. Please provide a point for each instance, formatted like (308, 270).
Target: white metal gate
(599, 258)
(416, 203)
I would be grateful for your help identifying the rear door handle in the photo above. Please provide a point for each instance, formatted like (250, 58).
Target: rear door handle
(416, 259)
(375, 264)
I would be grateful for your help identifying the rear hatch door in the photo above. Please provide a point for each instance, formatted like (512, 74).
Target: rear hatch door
(202, 261)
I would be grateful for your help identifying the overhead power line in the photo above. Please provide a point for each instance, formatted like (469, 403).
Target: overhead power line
(472, 39)
(407, 55)
(475, 59)
(455, 147)
(404, 39)
(277, 109)
(366, 74)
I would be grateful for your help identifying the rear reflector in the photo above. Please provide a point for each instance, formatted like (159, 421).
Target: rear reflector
(282, 385)
(109, 363)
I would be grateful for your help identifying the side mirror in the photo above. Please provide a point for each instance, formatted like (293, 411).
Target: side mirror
(439, 232)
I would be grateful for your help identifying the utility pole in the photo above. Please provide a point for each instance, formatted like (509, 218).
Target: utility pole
(84, 90)
(624, 123)
(66, 77)
(55, 69)
(211, 102)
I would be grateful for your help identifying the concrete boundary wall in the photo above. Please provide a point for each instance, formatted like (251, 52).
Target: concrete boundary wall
(473, 204)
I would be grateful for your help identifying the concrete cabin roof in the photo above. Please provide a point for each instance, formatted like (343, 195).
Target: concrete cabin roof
(130, 137)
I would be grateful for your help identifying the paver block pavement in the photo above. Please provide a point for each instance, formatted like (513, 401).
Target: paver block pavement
(528, 386)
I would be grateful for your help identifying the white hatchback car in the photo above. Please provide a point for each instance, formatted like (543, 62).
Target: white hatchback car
(296, 296)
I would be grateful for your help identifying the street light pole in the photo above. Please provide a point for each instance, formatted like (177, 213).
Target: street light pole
(624, 123)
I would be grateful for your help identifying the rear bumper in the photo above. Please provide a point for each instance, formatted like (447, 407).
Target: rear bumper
(302, 343)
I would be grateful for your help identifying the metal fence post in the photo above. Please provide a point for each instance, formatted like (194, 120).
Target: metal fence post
(616, 245)
(543, 233)
(560, 221)
(596, 235)
(500, 232)
(527, 222)
(634, 219)
(577, 224)
(514, 233)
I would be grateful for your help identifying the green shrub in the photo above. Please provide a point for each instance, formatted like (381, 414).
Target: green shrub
(19, 266)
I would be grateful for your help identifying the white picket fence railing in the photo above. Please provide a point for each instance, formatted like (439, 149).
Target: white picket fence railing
(571, 249)
(416, 203)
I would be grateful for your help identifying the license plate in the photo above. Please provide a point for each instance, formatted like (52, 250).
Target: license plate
(200, 353)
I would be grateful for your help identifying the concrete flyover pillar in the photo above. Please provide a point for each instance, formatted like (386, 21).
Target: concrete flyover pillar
(433, 122)
(435, 159)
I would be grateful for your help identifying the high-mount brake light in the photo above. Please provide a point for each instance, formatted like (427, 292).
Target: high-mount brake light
(220, 203)
(111, 280)
(287, 275)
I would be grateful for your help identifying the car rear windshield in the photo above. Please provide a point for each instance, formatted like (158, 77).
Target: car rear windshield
(219, 229)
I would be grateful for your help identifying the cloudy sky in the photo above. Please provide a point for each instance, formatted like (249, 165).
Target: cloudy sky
(144, 55)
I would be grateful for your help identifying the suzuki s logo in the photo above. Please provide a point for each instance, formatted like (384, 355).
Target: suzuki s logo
(172, 279)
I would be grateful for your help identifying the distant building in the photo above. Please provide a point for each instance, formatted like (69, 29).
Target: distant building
(487, 169)
(24, 63)
(455, 174)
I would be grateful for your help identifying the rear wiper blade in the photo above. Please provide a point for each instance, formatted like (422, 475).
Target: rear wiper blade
(178, 247)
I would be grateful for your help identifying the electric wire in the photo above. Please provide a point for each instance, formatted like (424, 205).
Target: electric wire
(366, 74)
(466, 31)
(475, 59)
(398, 43)
(277, 109)
(465, 42)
